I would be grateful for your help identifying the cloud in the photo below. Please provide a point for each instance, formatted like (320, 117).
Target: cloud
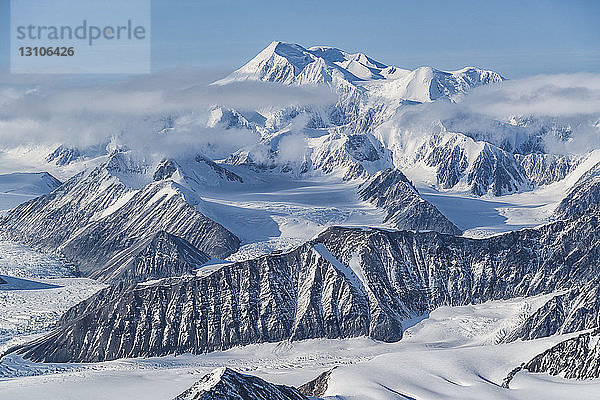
(564, 95)
(132, 111)
(563, 109)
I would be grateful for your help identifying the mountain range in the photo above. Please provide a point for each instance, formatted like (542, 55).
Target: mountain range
(334, 220)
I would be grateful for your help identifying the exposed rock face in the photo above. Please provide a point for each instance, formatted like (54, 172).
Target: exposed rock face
(494, 171)
(318, 386)
(347, 282)
(585, 194)
(476, 166)
(576, 358)
(574, 311)
(392, 191)
(226, 384)
(160, 256)
(543, 169)
(95, 219)
(355, 155)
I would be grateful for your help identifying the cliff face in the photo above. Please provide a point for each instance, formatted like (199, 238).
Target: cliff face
(161, 255)
(347, 282)
(576, 358)
(576, 310)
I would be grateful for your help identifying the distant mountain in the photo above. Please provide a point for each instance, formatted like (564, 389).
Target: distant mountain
(227, 384)
(392, 191)
(289, 63)
(158, 256)
(65, 155)
(370, 93)
(347, 282)
(574, 311)
(17, 188)
(101, 217)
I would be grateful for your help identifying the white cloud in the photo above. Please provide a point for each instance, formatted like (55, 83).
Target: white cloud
(54, 112)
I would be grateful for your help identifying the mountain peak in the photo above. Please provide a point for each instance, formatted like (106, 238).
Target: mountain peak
(226, 384)
(293, 64)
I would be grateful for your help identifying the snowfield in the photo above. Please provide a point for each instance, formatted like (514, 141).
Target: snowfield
(451, 354)
(38, 289)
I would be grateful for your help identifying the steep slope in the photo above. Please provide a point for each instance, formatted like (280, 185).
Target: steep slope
(347, 282)
(576, 358)
(28, 183)
(584, 195)
(392, 191)
(98, 216)
(463, 164)
(427, 84)
(162, 255)
(226, 384)
(318, 386)
(543, 169)
(573, 311)
(353, 156)
(17, 188)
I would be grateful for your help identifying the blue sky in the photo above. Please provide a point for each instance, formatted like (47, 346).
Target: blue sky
(516, 38)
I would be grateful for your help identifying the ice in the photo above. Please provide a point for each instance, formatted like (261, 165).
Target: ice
(38, 289)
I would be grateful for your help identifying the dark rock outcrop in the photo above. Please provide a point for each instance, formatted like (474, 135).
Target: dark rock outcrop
(226, 384)
(392, 191)
(576, 358)
(161, 255)
(318, 386)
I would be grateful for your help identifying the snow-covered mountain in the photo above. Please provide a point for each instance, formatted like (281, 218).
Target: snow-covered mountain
(328, 224)
(227, 384)
(392, 191)
(119, 206)
(17, 187)
(289, 63)
(347, 282)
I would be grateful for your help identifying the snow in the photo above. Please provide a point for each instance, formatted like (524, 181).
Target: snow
(494, 215)
(17, 188)
(38, 289)
(279, 213)
(450, 355)
(356, 280)
(452, 352)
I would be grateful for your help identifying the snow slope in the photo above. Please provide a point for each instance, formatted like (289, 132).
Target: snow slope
(290, 63)
(38, 289)
(17, 188)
